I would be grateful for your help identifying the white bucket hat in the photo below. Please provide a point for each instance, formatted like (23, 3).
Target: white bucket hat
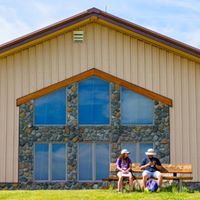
(150, 152)
(124, 151)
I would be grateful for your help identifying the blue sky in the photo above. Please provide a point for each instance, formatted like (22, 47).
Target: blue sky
(179, 19)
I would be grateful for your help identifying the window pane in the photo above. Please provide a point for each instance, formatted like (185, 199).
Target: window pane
(41, 161)
(93, 101)
(85, 161)
(132, 149)
(143, 148)
(102, 161)
(136, 109)
(58, 161)
(51, 108)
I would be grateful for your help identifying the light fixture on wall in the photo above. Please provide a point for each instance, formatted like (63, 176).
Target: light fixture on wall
(78, 36)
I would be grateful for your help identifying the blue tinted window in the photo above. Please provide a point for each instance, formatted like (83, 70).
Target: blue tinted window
(132, 149)
(41, 161)
(136, 109)
(93, 97)
(58, 162)
(102, 161)
(85, 161)
(51, 109)
(143, 148)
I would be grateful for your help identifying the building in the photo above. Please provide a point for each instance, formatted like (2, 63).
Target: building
(74, 93)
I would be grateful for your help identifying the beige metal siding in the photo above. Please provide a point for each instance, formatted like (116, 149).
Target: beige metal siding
(129, 58)
(196, 146)
(3, 118)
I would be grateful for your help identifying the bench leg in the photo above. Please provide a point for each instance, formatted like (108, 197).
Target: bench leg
(180, 185)
(138, 184)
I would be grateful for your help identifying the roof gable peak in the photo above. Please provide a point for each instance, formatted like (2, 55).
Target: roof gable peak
(103, 16)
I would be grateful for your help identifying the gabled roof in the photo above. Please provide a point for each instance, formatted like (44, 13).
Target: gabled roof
(94, 12)
(100, 74)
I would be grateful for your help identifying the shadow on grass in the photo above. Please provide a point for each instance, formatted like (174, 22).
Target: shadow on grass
(173, 188)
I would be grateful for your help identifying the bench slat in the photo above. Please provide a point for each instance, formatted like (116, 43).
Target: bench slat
(115, 178)
(167, 168)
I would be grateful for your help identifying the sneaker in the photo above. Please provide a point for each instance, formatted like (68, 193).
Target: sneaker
(158, 190)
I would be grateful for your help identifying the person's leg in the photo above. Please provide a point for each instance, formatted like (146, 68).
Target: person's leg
(131, 182)
(120, 181)
(159, 176)
(145, 176)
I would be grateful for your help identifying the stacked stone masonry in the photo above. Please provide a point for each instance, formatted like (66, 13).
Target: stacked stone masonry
(115, 134)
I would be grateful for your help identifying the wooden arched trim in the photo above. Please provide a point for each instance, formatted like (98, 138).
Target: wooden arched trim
(100, 74)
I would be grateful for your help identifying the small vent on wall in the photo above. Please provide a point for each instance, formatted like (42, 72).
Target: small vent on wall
(78, 36)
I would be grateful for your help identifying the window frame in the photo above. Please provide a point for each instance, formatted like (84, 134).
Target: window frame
(136, 124)
(109, 105)
(137, 149)
(49, 125)
(49, 162)
(93, 160)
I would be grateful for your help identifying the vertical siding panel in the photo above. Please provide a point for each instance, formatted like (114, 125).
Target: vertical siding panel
(185, 111)
(54, 59)
(134, 61)
(32, 69)
(197, 154)
(177, 108)
(170, 75)
(105, 52)
(112, 51)
(148, 67)
(192, 120)
(47, 64)
(97, 46)
(163, 72)
(3, 119)
(18, 93)
(76, 58)
(83, 52)
(68, 61)
(10, 119)
(61, 57)
(141, 69)
(156, 69)
(39, 66)
(90, 39)
(127, 58)
(25, 72)
(120, 55)
(170, 90)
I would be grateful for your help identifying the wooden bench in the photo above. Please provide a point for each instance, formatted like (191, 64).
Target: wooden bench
(178, 172)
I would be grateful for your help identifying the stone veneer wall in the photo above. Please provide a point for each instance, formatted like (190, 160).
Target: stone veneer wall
(72, 134)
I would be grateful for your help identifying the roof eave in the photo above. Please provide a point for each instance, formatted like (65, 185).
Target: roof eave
(106, 17)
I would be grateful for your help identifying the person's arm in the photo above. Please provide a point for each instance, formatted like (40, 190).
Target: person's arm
(129, 169)
(158, 165)
(118, 165)
(144, 164)
(142, 167)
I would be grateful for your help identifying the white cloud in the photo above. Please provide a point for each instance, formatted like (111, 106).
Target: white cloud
(193, 5)
(12, 26)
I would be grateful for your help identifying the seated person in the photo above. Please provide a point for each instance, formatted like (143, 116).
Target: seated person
(124, 165)
(152, 167)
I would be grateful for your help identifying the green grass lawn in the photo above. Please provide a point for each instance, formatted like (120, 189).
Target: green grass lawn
(94, 194)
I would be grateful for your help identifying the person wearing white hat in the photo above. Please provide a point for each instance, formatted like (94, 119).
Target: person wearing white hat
(152, 167)
(124, 165)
